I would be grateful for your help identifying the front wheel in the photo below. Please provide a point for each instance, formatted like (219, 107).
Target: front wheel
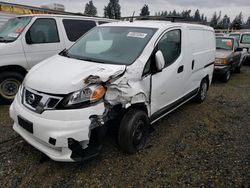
(9, 84)
(202, 94)
(133, 131)
(226, 77)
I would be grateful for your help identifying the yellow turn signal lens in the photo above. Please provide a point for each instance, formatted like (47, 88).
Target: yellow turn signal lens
(98, 93)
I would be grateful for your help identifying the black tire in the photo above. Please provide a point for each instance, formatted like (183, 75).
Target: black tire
(9, 84)
(202, 94)
(133, 131)
(226, 77)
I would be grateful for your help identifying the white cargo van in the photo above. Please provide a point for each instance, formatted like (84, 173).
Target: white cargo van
(29, 39)
(129, 72)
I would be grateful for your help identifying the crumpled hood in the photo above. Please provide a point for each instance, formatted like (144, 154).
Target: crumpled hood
(221, 54)
(62, 75)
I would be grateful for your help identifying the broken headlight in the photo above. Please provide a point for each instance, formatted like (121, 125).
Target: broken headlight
(84, 97)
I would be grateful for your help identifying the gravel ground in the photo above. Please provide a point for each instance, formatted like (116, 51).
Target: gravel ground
(205, 145)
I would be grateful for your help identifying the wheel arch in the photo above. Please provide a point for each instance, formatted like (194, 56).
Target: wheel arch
(13, 68)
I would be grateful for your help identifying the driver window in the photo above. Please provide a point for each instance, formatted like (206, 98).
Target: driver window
(44, 30)
(170, 46)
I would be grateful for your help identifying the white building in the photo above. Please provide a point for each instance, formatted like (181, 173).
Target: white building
(54, 6)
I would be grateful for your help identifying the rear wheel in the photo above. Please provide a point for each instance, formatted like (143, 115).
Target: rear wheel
(133, 131)
(9, 84)
(202, 94)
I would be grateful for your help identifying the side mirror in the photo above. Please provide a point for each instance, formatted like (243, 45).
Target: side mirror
(159, 60)
(28, 37)
(239, 49)
(244, 50)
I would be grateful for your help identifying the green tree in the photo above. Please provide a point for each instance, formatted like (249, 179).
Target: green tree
(145, 11)
(237, 22)
(112, 10)
(224, 23)
(248, 22)
(215, 20)
(197, 16)
(186, 14)
(90, 9)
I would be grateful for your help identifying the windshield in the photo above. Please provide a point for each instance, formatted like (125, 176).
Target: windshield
(111, 45)
(13, 28)
(224, 43)
(245, 39)
(237, 36)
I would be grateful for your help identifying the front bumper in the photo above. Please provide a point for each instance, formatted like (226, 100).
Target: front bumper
(60, 125)
(220, 70)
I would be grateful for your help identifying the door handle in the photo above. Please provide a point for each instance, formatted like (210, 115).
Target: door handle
(180, 69)
(193, 64)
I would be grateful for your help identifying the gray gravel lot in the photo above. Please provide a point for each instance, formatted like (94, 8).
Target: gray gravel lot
(205, 145)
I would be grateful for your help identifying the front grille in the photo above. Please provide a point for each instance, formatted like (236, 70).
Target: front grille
(32, 99)
(52, 103)
(38, 101)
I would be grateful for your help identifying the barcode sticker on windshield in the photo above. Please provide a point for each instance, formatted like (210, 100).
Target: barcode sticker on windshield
(13, 35)
(137, 35)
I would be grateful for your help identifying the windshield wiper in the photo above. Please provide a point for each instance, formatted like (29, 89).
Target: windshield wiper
(89, 59)
(64, 53)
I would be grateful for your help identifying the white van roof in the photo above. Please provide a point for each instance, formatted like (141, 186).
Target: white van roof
(68, 16)
(156, 24)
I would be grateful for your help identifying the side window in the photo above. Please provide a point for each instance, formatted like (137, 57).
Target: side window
(170, 46)
(147, 67)
(43, 30)
(76, 28)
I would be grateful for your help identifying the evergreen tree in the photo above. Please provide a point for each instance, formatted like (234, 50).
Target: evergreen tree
(112, 10)
(90, 9)
(237, 22)
(225, 22)
(215, 20)
(174, 13)
(202, 18)
(197, 16)
(145, 11)
(248, 23)
(186, 14)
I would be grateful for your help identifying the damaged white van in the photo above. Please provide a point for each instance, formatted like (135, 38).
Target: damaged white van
(134, 72)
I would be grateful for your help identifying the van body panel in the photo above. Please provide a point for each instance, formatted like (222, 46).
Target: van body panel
(15, 56)
(139, 85)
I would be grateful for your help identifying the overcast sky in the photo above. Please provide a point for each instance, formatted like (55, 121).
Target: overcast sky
(208, 7)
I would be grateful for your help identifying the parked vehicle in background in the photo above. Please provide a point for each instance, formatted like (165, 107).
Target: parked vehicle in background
(235, 35)
(245, 43)
(29, 39)
(228, 57)
(132, 72)
(219, 34)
